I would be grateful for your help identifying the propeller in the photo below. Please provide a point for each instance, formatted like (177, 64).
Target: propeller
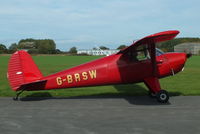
(189, 55)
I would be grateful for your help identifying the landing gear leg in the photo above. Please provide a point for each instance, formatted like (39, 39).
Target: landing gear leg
(152, 94)
(17, 95)
(155, 90)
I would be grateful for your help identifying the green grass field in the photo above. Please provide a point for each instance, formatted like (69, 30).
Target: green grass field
(184, 83)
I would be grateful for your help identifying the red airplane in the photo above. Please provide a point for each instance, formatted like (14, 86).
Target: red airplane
(140, 62)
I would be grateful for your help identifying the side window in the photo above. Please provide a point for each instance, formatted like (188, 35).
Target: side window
(140, 53)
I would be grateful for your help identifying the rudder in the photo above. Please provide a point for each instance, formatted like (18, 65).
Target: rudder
(22, 70)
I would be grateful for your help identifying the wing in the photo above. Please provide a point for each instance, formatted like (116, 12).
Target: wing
(152, 39)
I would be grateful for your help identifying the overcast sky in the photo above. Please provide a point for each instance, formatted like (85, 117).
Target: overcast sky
(90, 23)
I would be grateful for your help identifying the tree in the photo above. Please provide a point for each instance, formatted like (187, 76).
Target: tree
(121, 47)
(26, 44)
(94, 48)
(3, 49)
(73, 50)
(103, 48)
(44, 46)
(33, 51)
(12, 48)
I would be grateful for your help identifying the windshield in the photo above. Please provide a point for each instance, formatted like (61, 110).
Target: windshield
(159, 52)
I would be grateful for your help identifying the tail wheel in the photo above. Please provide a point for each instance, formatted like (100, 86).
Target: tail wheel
(162, 96)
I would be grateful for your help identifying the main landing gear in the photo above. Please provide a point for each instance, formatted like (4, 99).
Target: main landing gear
(155, 90)
(161, 96)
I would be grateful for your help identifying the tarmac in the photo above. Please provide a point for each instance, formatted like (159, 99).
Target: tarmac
(100, 115)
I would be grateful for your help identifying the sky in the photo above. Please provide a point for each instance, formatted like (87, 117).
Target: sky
(92, 23)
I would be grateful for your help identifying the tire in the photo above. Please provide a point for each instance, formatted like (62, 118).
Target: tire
(162, 96)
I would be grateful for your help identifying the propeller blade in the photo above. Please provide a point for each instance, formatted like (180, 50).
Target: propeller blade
(189, 55)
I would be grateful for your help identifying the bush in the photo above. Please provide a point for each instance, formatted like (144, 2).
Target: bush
(33, 51)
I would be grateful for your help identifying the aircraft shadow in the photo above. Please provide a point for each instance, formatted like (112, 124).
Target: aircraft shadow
(139, 94)
(132, 93)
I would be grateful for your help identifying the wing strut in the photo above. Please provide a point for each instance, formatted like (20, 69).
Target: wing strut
(153, 58)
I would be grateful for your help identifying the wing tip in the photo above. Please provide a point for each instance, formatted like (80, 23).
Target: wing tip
(169, 32)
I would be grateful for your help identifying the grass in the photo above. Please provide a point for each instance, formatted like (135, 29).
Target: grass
(184, 83)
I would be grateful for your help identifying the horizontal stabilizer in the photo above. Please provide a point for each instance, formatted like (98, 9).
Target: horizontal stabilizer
(37, 85)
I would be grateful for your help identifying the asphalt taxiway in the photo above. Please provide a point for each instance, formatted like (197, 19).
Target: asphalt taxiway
(100, 115)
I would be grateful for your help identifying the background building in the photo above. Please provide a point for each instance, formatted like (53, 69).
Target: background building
(193, 48)
(97, 52)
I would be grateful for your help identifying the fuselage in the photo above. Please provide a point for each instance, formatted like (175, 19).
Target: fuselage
(115, 69)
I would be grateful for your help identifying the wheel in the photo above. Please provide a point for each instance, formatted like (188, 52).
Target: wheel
(162, 96)
(152, 94)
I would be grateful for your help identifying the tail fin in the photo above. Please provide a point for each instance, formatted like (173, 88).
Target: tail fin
(22, 70)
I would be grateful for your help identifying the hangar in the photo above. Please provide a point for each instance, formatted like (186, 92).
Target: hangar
(193, 48)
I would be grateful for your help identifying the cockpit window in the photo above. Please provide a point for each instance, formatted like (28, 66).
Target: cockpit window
(159, 52)
(142, 53)
(139, 54)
